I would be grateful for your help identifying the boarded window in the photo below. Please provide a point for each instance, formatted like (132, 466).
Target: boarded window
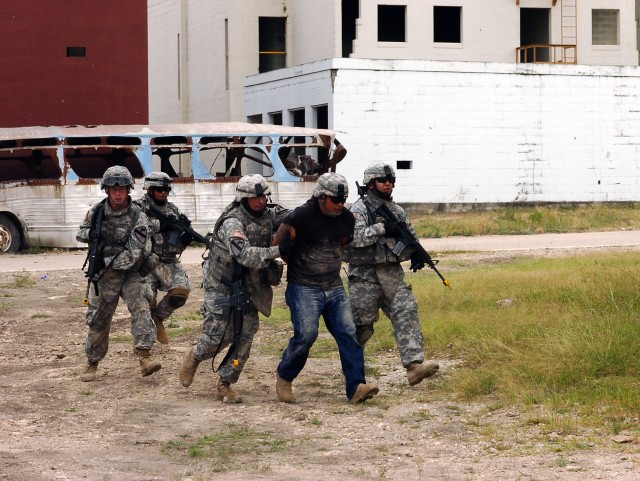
(604, 27)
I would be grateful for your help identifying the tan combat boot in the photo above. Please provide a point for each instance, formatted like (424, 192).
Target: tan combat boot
(417, 371)
(364, 392)
(148, 365)
(161, 332)
(188, 368)
(226, 394)
(283, 390)
(90, 373)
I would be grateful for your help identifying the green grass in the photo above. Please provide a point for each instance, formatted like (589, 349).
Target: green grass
(224, 447)
(570, 340)
(23, 280)
(530, 220)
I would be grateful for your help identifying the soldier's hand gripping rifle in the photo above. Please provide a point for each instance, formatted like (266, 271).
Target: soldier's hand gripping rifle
(405, 238)
(178, 228)
(239, 303)
(94, 256)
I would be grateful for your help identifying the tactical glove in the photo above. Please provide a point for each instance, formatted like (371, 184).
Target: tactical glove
(416, 262)
(391, 230)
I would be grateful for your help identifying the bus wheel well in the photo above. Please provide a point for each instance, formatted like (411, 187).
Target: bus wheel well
(10, 236)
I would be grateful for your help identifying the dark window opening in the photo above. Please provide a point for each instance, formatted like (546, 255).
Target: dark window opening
(322, 122)
(91, 163)
(392, 23)
(272, 43)
(254, 119)
(275, 118)
(29, 164)
(447, 24)
(45, 142)
(170, 140)
(83, 141)
(404, 164)
(76, 52)
(118, 140)
(350, 14)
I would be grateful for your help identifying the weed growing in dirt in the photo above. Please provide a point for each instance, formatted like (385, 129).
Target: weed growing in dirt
(569, 339)
(23, 280)
(226, 447)
(5, 306)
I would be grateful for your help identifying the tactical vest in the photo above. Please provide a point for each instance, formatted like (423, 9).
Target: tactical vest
(165, 248)
(381, 251)
(259, 232)
(116, 229)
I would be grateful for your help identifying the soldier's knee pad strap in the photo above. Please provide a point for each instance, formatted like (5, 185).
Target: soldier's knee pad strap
(364, 333)
(178, 296)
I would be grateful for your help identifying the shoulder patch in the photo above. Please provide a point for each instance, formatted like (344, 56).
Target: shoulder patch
(237, 245)
(140, 233)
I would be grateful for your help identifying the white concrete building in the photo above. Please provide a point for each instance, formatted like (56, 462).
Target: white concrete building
(441, 89)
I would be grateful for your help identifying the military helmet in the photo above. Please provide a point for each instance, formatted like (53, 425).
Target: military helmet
(157, 179)
(116, 175)
(378, 170)
(331, 184)
(253, 185)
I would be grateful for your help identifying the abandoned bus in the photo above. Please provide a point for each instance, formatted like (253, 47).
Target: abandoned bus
(50, 176)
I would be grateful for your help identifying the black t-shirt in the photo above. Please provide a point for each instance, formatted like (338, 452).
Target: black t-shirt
(317, 257)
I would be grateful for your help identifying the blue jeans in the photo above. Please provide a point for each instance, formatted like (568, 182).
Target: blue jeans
(306, 305)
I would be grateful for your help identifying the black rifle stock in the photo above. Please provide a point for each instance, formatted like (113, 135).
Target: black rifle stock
(239, 303)
(179, 228)
(94, 257)
(407, 239)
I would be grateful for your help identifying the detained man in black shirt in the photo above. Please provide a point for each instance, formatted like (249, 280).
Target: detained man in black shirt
(316, 233)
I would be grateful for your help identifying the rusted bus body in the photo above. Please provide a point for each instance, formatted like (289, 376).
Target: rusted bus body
(50, 176)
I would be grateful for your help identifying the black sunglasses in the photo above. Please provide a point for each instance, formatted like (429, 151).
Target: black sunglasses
(388, 178)
(338, 199)
(162, 189)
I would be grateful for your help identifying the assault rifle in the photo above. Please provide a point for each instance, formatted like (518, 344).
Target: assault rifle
(178, 228)
(405, 238)
(240, 303)
(94, 258)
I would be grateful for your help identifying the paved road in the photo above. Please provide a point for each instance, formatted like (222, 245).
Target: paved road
(630, 238)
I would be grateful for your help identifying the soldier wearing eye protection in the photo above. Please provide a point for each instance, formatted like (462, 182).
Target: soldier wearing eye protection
(169, 275)
(376, 276)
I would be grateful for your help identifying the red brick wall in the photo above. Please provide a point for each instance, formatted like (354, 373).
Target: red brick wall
(40, 85)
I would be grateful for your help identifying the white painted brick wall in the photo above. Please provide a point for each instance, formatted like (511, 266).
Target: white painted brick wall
(476, 132)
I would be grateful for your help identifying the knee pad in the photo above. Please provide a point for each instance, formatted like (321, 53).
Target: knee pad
(364, 333)
(177, 297)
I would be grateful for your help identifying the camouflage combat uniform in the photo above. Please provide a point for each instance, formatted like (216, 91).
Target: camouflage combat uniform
(240, 268)
(376, 279)
(238, 238)
(169, 275)
(125, 245)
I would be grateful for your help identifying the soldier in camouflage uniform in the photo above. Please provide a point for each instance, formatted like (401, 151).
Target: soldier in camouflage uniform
(124, 247)
(320, 230)
(376, 276)
(239, 250)
(169, 276)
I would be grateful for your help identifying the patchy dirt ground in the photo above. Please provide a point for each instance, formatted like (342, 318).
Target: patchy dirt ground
(125, 427)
